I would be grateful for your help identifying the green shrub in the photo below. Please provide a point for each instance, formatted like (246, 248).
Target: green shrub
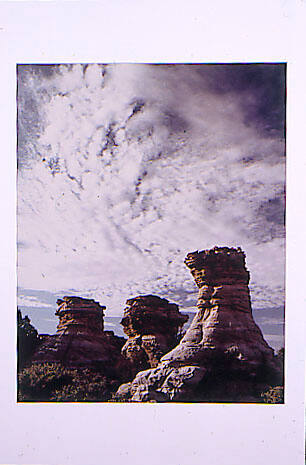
(274, 395)
(53, 382)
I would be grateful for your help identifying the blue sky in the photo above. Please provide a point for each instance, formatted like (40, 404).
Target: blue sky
(124, 169)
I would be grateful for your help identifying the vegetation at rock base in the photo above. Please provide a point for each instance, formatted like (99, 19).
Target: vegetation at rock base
(274, 395)
(27, 339)
(53, 382)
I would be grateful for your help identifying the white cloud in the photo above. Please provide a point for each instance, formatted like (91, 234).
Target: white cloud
(132, 191)
(271, 321)
(274, 340)
(110, 324)
(31, 301)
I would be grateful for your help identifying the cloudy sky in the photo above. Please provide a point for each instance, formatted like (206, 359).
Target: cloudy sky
(123, 169)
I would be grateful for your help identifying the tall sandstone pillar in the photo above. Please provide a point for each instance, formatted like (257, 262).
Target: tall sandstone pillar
(223, 355)
(224, 324)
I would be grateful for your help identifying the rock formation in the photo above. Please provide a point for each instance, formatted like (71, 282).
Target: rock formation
(80, 340)
(223, 355)
(153, 326)
(79, 316)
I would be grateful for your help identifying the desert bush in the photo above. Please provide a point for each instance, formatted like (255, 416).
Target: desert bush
(40, 380)
(98, 389)
(52, 382)
(274, 395)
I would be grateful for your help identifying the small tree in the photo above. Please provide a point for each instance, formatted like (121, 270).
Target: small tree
(27, 339)
(280, 355)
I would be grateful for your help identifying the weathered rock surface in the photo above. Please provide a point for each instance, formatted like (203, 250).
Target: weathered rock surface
(154, 326)
(79, 316)
(80, 340)
(223, 355)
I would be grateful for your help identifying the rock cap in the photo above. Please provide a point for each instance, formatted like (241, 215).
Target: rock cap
(150, 314)
(220, 265)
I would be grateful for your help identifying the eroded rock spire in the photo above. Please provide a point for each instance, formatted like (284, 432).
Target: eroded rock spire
(80, 340)
(223, 355)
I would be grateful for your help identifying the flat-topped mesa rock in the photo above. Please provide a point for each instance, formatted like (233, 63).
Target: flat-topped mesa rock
(223, 355)
(79, 316)
(153, 326)
(80, 340)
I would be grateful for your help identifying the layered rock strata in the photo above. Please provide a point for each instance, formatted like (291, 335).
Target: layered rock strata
(153, 326)
(223, 355)
(79, 316)
(80, 340)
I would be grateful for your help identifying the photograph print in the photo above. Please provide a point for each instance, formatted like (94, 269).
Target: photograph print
(151, 232)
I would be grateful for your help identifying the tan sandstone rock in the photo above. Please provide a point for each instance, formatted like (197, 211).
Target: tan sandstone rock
(223, 355)
(80, 340)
